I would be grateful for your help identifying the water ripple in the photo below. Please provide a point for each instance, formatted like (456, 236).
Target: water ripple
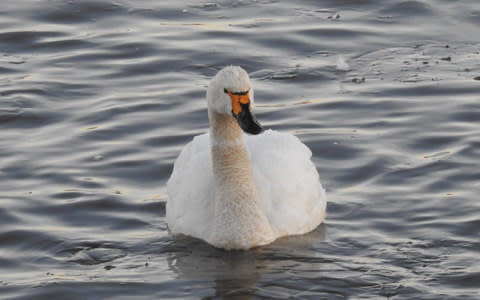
(98, 98)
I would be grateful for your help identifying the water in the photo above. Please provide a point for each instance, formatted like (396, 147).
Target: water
(98, 98)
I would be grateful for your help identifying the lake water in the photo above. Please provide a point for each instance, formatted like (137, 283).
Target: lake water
(97, 98)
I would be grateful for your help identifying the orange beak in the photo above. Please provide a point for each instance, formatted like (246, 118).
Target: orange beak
(242, 113)
(237, 100)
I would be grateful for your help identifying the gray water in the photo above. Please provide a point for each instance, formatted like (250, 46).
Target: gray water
(97, 98)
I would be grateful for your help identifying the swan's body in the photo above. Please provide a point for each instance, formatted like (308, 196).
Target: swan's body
(237, 191)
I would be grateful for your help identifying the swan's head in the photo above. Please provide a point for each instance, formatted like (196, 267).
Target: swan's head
(230, 93)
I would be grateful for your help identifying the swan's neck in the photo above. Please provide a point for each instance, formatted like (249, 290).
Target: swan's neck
(240, 221)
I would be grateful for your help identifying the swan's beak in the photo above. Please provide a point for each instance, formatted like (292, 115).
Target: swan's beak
(243, 114)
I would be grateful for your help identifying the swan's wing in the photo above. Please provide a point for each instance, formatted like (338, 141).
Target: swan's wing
(190, 190)
(287, 181)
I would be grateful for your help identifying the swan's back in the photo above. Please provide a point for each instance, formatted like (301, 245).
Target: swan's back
(190, 190)
(287, 182)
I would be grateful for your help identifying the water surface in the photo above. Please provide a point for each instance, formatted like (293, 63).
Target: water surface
(98, 98)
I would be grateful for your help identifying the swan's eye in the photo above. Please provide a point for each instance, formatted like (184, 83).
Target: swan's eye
(225, 91)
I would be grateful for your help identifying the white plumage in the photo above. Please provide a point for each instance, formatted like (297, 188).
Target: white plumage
(283, 192)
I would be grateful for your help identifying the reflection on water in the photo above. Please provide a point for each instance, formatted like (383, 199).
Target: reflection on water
(97, 99)
(236, 273)
(228, 273)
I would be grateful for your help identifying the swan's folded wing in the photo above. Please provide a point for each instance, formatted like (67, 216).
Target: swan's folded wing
(190, 190)
(287, 181)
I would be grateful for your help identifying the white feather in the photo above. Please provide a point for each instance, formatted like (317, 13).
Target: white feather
(287, 181)
(237, 191)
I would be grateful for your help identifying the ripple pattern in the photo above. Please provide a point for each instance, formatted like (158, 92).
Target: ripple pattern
(98, 98)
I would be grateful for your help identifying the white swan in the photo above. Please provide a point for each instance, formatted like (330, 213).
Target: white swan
(236, 191)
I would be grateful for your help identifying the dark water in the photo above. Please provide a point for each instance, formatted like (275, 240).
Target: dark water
(97, 98)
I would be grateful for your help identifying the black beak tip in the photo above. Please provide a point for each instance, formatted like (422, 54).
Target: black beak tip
(247, 121)
(255, 129)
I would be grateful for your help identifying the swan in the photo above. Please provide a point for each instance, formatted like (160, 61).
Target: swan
(238, 191)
